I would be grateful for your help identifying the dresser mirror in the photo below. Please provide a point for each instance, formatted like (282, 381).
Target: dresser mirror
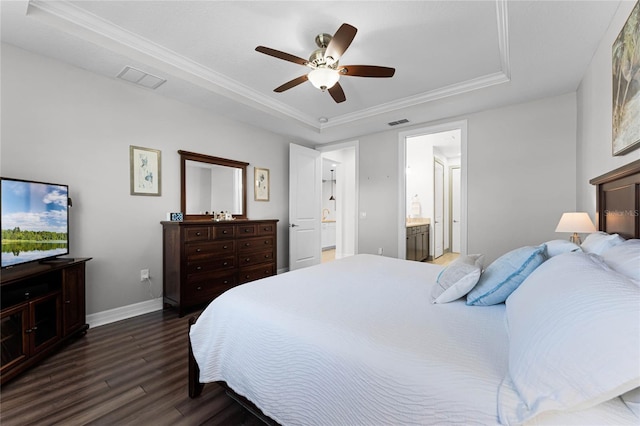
(210, 185)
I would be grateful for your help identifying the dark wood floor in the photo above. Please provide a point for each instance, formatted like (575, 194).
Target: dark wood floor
(130, 372)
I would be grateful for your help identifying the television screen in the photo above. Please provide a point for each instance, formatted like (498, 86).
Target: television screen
(35, 221)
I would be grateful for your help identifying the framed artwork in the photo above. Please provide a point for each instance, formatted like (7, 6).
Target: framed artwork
(626, 86)
(145, 171)
(261, 184)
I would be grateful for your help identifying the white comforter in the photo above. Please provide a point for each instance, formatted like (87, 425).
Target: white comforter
(357, 341)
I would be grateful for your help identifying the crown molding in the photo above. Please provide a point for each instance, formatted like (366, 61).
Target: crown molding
(76, 21)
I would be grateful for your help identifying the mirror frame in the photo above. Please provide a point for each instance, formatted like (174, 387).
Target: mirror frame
(186, 155)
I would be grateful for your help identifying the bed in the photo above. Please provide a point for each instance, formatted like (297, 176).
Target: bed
(360, 341)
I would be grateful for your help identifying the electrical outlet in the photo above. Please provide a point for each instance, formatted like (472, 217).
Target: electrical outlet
(144, 274)
(380, 250)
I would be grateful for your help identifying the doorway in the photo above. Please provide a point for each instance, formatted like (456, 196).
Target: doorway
(433, 162)
(339, 200)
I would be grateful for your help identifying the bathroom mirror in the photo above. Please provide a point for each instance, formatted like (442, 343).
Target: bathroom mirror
(211, 184)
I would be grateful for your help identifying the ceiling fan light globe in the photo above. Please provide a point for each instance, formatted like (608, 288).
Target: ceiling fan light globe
(323, 78)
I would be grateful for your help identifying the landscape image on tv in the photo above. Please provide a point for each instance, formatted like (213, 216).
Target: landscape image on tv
(34, 221)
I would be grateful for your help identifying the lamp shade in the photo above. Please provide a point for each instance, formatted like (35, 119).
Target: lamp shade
(575, 222)
(323, 78)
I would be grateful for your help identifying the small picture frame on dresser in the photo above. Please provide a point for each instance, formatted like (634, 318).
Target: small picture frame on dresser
(261, 184)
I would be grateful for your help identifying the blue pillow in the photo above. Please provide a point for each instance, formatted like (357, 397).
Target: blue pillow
(505, 274)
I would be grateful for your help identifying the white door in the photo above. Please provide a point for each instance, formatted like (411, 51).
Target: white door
(455, 209)
(305, 192)
(438, 203)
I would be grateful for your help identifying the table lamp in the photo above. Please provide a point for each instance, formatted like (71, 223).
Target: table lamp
(575, 222)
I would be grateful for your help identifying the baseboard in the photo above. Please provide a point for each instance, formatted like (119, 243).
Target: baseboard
(282, 271)
(124, 312)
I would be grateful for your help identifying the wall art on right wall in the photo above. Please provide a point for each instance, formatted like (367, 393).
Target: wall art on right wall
(626, 86)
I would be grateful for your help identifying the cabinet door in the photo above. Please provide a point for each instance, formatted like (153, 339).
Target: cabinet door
(73, 299)
(423, 243)
(411, 245)
(15, 346)
(45, 322)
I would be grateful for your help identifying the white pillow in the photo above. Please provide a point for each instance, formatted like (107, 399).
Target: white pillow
(556, 247)
(574, 338)
(625, 258)
(599, 242)
(457, 279)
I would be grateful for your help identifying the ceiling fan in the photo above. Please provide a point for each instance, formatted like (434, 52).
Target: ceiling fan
(325, 70)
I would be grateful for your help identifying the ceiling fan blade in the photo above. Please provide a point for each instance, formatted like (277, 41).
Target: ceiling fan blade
(281, 55)
(293, 83)
(340, 41)
(337, 93)
(367, 71)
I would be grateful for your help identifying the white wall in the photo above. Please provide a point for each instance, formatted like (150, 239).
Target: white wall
(521, 176)
(594, 153)
(66, 125)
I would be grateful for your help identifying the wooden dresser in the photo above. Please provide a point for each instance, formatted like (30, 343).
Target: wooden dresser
(203, 259)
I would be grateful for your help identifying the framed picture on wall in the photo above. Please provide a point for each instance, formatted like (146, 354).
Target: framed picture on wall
(145, 175)
(261, 184)
(626, 86)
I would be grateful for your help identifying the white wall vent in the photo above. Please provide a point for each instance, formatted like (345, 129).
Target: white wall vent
(141, 78)
(395, 123)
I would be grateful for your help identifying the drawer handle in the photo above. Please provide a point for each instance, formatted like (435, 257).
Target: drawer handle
(225, 263)
(198, 234)
(247, 244)
(247, 277)
(225, 247)
(248, 259)
(198, 268)
(267, 271)
(226, 282)
(247, 229)
(225, 231)
(267, 256)
(198, 288)
(266, 228)
(266, 241)
(67, 301)
(198, 250)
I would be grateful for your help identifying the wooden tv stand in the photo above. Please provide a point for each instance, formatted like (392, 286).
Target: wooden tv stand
(42, 306)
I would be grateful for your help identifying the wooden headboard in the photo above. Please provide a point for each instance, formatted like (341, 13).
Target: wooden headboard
(618, 200)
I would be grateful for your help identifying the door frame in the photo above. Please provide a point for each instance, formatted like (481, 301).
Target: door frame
(442, 220)
(451, 168)
(402, 187)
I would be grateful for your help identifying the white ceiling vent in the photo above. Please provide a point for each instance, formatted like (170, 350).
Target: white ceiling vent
(141, 78)
(395, 123)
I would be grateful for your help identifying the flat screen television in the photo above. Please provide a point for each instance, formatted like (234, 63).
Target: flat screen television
(34, 221)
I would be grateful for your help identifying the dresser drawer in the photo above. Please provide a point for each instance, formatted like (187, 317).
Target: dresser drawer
(199, 233)
(266, 228)
(220, 232)
(208, 286)
(247, 230)
(209, 265)
(253, 273)
(205, 250)
(255, 258)
(253, 244)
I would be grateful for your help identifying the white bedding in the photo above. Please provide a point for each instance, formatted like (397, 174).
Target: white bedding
(358, 341)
